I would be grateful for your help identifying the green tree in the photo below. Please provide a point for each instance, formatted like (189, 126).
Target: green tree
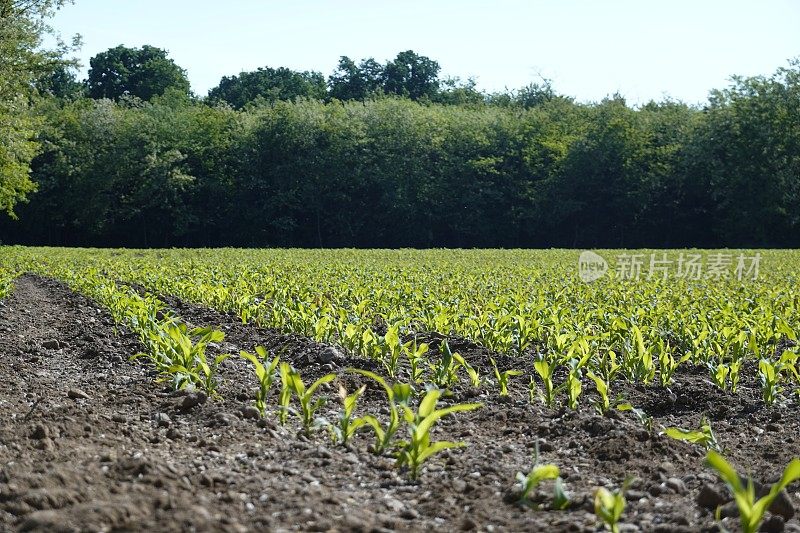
(23, 25)
(746, 155)
(411, 75)
(142, 72)
(454, 91)
(61, 82)
(268, 84)
(351, 81)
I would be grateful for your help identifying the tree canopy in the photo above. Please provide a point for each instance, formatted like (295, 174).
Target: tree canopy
(23, 25)
(379, 155)
(269, 84)
(142, 72)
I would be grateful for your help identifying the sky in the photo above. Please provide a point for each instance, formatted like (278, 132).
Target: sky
(644, 50)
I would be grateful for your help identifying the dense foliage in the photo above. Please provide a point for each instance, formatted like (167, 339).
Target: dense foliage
(143, 72)
(22, 61)
(388, 155)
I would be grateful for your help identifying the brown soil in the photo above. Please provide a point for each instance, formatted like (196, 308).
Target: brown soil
(89, 442)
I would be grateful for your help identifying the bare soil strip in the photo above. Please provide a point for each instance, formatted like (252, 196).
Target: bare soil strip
(88, 442)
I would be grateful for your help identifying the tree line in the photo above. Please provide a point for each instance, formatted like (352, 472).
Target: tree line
(389, 155)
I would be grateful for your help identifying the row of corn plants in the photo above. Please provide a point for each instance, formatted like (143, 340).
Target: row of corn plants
(529, 304)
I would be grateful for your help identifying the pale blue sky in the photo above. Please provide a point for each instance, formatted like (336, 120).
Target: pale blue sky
(642, 49)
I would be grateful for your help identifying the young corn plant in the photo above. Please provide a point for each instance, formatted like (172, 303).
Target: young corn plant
(538, 473)
(603, 404)
(560, 496)
(703, 436)
(574, 386)
(751, 511)
(419, 447)
(415, 353)
(609, 506)
(393, 350)
(445, 370)
(285, 396)
(546, 369)
(770, 375)
(397, 396)
(733, 373)
(347, 425)
(474, 375)
(641, 366)
(181, 353)
(264, 374)
(719, 373)
(305, 396)
(645, 419)
(607, 366)
(667, 364)
(503, 377)
(533, 391)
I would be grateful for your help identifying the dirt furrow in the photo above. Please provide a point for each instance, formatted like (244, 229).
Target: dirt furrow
(90, 442)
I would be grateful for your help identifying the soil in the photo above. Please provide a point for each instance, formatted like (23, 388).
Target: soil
(89, 441)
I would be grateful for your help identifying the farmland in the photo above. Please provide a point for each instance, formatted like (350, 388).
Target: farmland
(397, 389)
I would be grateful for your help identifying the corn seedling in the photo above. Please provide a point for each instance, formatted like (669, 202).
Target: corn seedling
(419, 448)
(264, 375)
(474, 375)
(640, 364)
(609, 506)
(560, 496)
(574, 386)
(645, 419)
(503, 377)
(667, 364)
(182, 355)
(397, 395)
(538, 473)
(393, 349)
(770, 376)
(719, 374)
(603, 404)
(415, 353)
(305, 396)
(445, 370)
(546, 370)
(703, 436)
(733, 373)
(347, 425)
(286, 392)
(751, 511)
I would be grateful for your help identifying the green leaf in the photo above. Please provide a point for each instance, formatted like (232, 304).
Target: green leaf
(425, 425)
(428, 403)
(437, 447)
(725, 470)
(321, 381)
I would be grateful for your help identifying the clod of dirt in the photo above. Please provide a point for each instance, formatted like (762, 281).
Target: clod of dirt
(193, 399)
(328, 354)
(250, 413)
(77, 394)
(40, 432)
(711, 497)
(729, 510)
(162, 420)
(51, 344)
(773, 524)
(676, 484)
(781, 505)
